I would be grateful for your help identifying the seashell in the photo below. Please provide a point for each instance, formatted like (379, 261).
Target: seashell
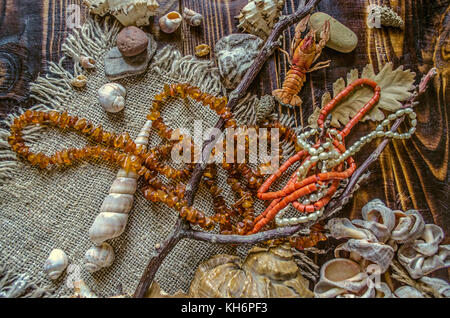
(98, 257)
(81, 290)
(128, 12)
(408, 292)
(80, 81)
(87, 62)
(340, 277)
(265, 107)
(431, 237)
(112, 219)
(380, 231)
(379, 16)
(419, 265)
(191, 17)
(170, 22)
(112, 97)
(440, 286)
(259, 16)
(409, 226)
(202, 50)
(343, 228)
(235, 53)
(383, 291)
(376, 211)
(378, 253)
(270, 272)
(56, 263)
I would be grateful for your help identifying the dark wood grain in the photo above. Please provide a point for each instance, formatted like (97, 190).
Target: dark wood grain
(409, 174)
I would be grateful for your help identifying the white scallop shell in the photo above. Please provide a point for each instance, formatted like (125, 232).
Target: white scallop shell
(170, 22)
(56, 263)
(112, 97)
(98, 257)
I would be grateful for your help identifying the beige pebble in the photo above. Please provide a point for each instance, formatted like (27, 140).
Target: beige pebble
(342, 39)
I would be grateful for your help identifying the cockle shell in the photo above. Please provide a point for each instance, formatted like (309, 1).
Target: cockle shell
(378, 253)
(112, 97)
(87, 62)
(202, 50)
(259, 16)
(170, 22)
(56, 263)
(409, 226)
(80, 81)
(191, 17)
(98, 257)
(128, 12)
(235, 54)
(270, 272)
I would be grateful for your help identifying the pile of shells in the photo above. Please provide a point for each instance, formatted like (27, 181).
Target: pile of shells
(371, 247)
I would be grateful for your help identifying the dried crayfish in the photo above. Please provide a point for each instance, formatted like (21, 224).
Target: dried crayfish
(331, 161)
(304, 53)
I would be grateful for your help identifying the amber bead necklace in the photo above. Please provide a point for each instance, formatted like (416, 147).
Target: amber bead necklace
(121, 150)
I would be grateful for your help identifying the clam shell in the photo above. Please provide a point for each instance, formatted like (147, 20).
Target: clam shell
(269, 272)
(409, 226)
(56, 263)
(98, 257)
(378, 253)
(112, 97)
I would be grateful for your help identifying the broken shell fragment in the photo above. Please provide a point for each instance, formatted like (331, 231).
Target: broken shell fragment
(112, 97)
(202, 50)
(87, 62)
(170, 22)
(80, 81)
(191, 17)
(98, 257)
(56, 263)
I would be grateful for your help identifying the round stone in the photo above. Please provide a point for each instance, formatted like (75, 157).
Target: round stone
(132, 41)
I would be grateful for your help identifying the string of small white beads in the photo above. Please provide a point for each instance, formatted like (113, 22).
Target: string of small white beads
(279, 221)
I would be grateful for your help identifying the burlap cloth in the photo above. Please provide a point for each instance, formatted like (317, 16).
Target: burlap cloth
(41, 210)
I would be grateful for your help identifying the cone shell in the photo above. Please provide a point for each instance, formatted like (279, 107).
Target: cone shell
(269, 272)
(98, 257)
(259, 16)
(56, 263)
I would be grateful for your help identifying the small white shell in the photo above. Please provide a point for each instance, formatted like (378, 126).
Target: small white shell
(378, 253)
(408, 292)
(56, 263)
(87, 62)
(81, 290)
(112, 97)
(428, 244)
(409, 226)
(191, 17)
(98, 257)
(170, 22)
(376, 211)
(80, 81)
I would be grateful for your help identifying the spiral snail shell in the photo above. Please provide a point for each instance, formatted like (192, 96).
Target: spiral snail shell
(192, 18)
(170, 22)
(87, 62)
(112, 97)
(56, 263)
(98, 257)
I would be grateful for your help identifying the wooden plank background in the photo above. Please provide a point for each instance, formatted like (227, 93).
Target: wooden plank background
(409, 174)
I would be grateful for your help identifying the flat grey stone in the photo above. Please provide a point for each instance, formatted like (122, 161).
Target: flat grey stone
(118, 66)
